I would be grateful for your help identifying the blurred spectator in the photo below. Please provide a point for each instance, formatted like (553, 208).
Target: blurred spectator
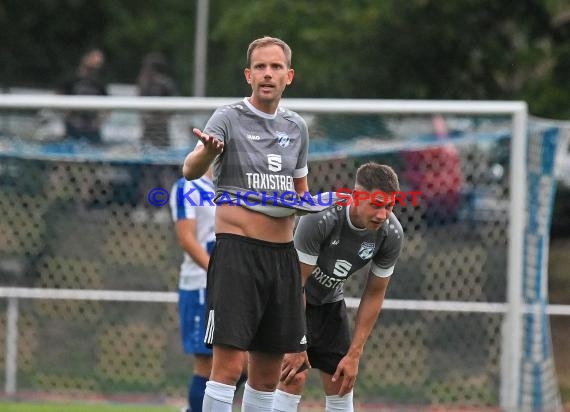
(154, 80)
(436, 173)
(85, 81)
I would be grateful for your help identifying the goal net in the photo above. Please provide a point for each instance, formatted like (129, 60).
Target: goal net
(89, 267)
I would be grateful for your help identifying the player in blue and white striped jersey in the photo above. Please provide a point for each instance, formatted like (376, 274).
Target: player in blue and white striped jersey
(194, 223)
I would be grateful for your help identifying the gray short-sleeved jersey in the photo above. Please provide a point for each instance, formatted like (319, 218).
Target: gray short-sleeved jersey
(331, 242)
(262, 152)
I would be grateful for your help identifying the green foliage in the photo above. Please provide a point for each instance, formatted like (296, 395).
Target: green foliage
(140, 26)
(426, 49)
(41, 40)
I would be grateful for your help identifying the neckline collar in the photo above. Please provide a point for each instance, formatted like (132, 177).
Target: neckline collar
(259, 112)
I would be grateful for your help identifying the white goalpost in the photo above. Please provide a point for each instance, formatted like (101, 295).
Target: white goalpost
(524, 371)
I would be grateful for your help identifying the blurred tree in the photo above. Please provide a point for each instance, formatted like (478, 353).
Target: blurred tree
(42, 40)
(421, 49)
(427, 49)
(141, 26)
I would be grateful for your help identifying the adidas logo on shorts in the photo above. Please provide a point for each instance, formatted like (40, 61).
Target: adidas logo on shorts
(303, 340)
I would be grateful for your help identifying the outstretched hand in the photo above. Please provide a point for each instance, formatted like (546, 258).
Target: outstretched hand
(211, 144)
(292, 364)
(348, 369)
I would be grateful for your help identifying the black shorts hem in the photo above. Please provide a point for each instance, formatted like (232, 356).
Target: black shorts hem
(328, 366)
(244, 347)
(278, 350)
(238, 346)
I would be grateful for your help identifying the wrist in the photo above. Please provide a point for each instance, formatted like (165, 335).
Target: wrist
(354, 353)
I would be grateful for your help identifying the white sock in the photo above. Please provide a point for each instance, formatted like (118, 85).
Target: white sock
(256, 401)
(335, 403)
(285, 402)
(218, 397)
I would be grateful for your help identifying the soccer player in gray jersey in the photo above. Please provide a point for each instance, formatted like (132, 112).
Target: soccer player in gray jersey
(255, 297)
(332, 245)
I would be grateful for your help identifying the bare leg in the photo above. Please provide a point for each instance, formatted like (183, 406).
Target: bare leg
(264, 370)
(288, 396)
(227, 365)
(263, 376)
(333, 402)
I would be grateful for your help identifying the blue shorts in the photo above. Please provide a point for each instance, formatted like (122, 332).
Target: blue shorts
(192, 315)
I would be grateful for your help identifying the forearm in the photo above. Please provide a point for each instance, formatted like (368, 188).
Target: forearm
(306, 271)
(196, 163)
(186, 235)
(196, 252)
(367, 314)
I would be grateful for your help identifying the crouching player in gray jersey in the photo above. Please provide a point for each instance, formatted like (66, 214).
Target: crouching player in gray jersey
(332, 245)
(255, 296)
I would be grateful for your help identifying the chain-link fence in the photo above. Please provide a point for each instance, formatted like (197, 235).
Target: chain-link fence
(76, 215)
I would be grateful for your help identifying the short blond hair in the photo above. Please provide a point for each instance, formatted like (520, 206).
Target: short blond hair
(269, 41)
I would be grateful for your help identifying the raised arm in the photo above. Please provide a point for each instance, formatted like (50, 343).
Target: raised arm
(366, 316)
(198, 161)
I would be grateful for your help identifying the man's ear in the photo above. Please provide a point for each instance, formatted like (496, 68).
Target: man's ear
(290, 76)
(247, 74)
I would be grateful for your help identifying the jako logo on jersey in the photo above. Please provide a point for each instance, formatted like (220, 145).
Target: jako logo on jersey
(303, 340)
(283, 139)
(341, 268)
(274, 162)
(253, 137)
(366, 250)
(335, 242)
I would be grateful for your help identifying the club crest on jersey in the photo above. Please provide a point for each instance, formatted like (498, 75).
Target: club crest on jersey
(366, 250)
(283, 139)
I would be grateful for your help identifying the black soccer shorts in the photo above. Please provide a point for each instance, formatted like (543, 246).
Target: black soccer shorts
(255, 299)
(328, 334)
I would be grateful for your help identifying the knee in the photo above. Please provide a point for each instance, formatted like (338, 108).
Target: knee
(227, 364)
(299, 379)
(227, 373)
(296, 385)
(202, 365)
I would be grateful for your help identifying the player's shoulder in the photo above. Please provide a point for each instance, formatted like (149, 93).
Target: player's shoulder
(393, 228)
(231, 110)
(202, 183)
(291, 116)
(183, 187)
(179, 184)
(288, 113)
(317, 226)
(326, 218)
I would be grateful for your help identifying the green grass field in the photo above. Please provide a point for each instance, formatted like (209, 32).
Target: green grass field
(81, 407)
(77, 407)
